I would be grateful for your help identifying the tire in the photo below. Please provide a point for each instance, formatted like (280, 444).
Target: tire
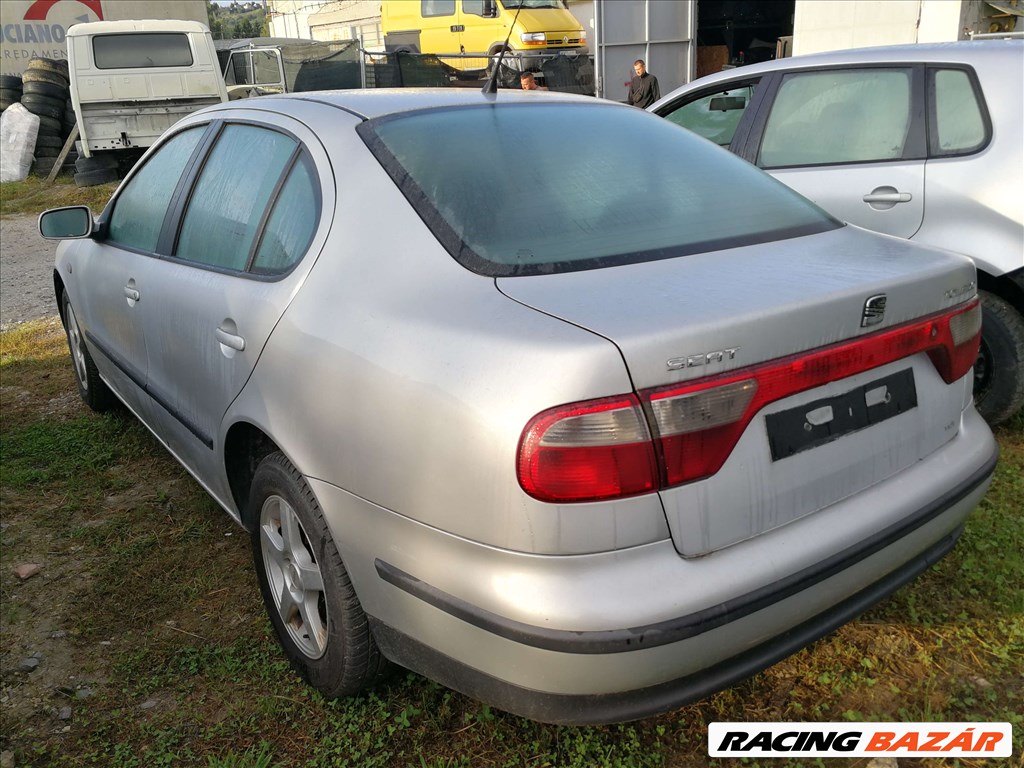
(95, 178)
(41, 64)
(49, 90)
(95, 393)
(12, 82)
(46, 140)
(49, 125)
(43, 106)
(307, 591)
(4, 104)
(43, 76)
(43, 165)
(999, 369)
(10, 94)
(101, 162)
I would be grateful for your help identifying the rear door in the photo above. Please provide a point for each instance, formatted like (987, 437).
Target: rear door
(239, 255)
(850, 139)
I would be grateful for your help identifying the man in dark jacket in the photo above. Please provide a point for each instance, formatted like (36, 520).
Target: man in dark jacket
(643, 90)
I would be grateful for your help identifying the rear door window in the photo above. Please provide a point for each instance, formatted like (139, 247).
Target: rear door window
(232, 195)
(715, 116)
(838, 116)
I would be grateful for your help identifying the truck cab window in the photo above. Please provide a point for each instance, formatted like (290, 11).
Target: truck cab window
(438, 8)
(135, 51)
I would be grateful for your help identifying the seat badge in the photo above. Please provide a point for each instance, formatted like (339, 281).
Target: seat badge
(874, 311)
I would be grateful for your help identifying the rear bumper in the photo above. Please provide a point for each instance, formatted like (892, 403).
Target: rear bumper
(619, 635)
(595, 709)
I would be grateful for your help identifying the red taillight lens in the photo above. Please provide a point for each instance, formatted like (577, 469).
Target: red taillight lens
(588, 451)
(602, 449)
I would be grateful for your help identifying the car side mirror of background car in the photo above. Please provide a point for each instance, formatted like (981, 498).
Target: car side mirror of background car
(72, 223)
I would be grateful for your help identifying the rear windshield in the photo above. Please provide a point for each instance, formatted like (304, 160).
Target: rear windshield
(142, 49)
(519, 189)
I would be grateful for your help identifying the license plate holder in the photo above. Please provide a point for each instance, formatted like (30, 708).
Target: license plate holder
(808, 426)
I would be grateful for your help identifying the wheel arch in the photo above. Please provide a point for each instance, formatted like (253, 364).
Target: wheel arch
(1009, 287)
(245, 446)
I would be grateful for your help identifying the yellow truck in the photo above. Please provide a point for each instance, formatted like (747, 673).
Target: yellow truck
(478, 28)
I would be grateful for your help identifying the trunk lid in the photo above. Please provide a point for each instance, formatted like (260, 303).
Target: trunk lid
(685, 319)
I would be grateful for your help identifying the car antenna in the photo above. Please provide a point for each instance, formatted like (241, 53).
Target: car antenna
(491, 86)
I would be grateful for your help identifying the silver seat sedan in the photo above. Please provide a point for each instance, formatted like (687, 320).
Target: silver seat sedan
(543, 397)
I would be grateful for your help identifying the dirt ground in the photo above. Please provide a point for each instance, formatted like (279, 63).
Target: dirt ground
(40, 656)
(26, 262)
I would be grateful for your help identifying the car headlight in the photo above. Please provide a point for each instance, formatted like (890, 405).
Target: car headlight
(533, 37)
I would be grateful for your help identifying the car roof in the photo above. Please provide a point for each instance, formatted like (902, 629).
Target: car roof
(964, 51)
(378, 102)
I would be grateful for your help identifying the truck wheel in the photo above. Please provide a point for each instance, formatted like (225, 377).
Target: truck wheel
(999, 369)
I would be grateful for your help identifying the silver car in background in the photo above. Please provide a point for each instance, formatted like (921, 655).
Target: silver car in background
(924, 142)
(541, 396)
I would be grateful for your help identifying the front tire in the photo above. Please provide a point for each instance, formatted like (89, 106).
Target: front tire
(307, 591)
(93, 390)
(999, 369)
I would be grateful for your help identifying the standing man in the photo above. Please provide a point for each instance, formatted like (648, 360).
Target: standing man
(643, 90)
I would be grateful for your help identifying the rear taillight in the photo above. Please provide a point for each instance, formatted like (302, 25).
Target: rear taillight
(588, 451)
(604, 449)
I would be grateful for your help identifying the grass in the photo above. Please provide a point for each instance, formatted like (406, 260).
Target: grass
(34, 195)
(154, 589)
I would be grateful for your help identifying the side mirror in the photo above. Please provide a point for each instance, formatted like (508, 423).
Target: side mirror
(72, 223)
(490, 9)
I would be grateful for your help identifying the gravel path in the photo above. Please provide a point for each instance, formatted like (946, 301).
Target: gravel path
(26, 266)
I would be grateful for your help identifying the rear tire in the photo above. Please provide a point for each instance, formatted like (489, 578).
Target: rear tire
(306, 589)
(999, 369)
(94, 391)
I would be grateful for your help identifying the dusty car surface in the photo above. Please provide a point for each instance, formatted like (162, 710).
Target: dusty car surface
(918, 141)
(581, 431)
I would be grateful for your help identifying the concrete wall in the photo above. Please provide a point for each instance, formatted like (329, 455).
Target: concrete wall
(38, 27)
(841, 24)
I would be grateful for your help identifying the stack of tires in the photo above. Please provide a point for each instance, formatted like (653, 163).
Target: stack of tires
(101, 168)
(45, 93)
(10, 90)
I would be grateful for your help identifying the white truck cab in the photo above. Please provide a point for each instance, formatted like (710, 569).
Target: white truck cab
(132, 80)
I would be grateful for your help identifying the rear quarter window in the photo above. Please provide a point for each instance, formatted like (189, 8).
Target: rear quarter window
(960, 123)
(516, 189)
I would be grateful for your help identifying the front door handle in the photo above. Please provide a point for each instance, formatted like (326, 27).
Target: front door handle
(131, 293)
(888, 197)
(231, 340)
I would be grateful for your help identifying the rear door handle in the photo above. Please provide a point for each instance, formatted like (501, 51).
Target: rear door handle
(230, 339)
(888, 197)
(131, 293)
